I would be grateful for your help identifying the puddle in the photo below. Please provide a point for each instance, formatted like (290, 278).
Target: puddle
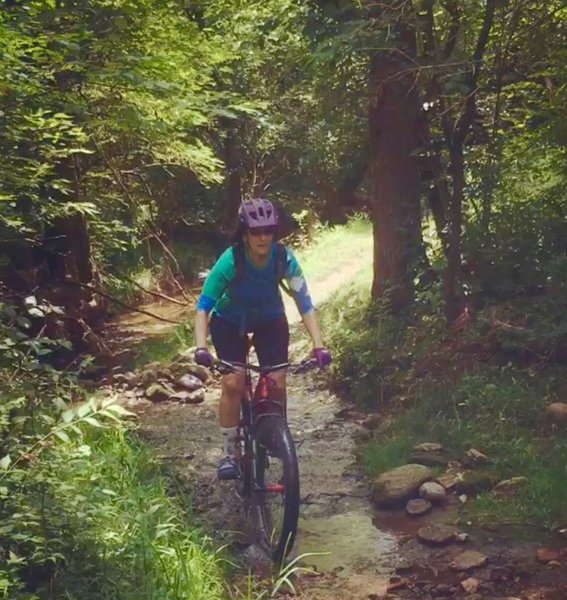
(346, 542)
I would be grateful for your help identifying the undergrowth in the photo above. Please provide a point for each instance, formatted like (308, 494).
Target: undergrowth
(483, 384)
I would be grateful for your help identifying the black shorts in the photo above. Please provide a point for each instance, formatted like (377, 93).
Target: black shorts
(271, 341)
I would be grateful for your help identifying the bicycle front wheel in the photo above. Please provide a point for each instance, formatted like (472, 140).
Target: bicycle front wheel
(277, 487)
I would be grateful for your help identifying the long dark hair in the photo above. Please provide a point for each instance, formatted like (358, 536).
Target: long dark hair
(237, 237)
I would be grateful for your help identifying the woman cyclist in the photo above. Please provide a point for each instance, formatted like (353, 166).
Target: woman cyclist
(242, 291)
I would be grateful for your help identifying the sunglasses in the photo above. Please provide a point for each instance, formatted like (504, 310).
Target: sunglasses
(257, 231)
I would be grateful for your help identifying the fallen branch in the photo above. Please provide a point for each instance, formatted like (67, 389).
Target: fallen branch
(150, 292)
(123, 304)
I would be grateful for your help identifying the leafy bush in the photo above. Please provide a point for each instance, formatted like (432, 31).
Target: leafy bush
(83, 507)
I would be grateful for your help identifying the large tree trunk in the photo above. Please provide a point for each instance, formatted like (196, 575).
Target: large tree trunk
(395, 183)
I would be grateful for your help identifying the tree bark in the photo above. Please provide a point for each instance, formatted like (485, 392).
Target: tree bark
(234, 183)
(456, 144)
(395, 183)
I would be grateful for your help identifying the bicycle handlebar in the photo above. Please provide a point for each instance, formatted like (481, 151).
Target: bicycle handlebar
(225, 366)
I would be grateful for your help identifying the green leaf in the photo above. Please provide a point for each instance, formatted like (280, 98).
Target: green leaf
(68, 415)
(5, 462)
(94, 422)
(62, 435)
(84, 409)
(119, 410)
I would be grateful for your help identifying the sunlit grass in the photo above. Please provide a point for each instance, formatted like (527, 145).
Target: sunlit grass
(336, 246)
(130, 539)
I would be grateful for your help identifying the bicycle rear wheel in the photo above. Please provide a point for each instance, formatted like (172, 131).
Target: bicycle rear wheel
(277, 493)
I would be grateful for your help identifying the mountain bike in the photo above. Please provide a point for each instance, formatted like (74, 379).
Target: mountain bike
(265, 453)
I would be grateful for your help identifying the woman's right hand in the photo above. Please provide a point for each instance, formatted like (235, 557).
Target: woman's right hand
(204, 358)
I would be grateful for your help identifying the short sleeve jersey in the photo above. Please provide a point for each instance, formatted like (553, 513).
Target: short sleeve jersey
(255, 298)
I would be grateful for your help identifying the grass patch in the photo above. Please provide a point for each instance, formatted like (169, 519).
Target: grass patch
(335, 247)
(96, 514)
(163, 348)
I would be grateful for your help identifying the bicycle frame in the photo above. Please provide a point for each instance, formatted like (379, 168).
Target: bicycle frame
(256, 404)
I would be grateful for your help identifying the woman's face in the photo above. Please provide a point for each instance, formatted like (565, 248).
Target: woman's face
(259, 240)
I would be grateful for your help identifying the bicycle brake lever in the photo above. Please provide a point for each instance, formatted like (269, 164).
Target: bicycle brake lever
(306, 365)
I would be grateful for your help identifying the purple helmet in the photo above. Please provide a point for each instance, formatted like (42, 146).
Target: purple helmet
(257, 212)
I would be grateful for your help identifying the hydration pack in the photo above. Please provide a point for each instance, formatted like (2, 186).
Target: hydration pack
(280, 264)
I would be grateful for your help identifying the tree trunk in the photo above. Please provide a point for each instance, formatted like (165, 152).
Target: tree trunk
(395, 182)
(234, 183)
(450, 293)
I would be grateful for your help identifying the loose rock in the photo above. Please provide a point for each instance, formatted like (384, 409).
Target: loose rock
(429, 459)
(399, 484)
(448, 480)
(189, 382)
(546, 555)
(428, 447)
(434, 492)
(157, 393)
(474, 457)
(472, 482)
(418, 507)
(442, 590)
(196, 397)
(470, 559)
(200, 372)
(557, 412)
(437, 535)
(509, 487)
(470, 585)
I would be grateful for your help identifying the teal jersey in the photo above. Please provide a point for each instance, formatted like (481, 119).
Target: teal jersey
(254, 298)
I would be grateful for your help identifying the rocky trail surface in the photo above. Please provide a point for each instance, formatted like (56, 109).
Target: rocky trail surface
(356, 534)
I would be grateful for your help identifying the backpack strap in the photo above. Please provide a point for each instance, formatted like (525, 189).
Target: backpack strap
(281, 267)
(281, 264)
(239, 260)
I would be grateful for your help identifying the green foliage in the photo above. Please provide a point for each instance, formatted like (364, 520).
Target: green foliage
(91, 518)
(84, 507)
(485, 386)
(523, 251)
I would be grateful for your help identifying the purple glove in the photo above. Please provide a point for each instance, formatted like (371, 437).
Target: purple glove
(322, 356)
(204, 357)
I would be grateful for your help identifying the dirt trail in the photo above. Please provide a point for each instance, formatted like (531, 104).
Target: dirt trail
(365, 552)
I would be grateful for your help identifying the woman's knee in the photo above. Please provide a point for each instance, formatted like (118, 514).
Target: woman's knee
(233, 385)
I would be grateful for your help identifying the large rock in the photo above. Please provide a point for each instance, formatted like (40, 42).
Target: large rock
(398, 485)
